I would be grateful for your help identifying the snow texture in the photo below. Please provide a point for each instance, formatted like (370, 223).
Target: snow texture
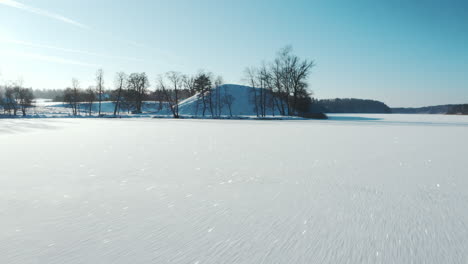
(353, 189)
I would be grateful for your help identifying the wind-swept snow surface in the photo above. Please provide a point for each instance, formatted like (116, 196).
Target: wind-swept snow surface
(354, 189)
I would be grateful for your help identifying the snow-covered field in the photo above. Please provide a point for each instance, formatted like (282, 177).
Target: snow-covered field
(353, 189)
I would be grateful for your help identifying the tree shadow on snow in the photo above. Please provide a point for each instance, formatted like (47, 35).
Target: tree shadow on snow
(352, 118)
(19, 126)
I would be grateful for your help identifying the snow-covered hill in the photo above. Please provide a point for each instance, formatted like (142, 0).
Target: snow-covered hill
(242, 98)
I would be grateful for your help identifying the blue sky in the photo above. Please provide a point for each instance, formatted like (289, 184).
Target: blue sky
(405, 53)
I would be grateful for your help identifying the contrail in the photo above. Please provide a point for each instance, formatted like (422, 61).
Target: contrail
(42, 12)
(24, 43)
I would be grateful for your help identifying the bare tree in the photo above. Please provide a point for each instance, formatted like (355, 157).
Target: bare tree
(266, 80)
(71, 96)
(228, 99)
(89, 96)
(120, 82)
(262, 77)
(281, 85)
(2, 98)
(171, 91)
(251, 78)
(10, 100)
(69, 99)
(76, 95)
(176, 81)
(280, 96)
(159, 98)
(189, 84)
(209, 95)
(137, 84)
(218, 101)
(25, 97)
(100, 87)
(294, 74)
(166, 93)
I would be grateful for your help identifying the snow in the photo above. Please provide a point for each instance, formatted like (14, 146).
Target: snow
(353, 189)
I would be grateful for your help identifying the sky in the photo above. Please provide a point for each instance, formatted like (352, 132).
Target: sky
(404, 53)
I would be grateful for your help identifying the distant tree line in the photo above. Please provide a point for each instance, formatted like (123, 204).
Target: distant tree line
(458, 110)
(350, 105)
(131, 92)
(278, 87)
(461, 109)
(48, 93)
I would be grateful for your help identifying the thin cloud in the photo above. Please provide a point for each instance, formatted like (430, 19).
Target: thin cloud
(42, 12)
(136, 44)
(24, 43)
(53, 59)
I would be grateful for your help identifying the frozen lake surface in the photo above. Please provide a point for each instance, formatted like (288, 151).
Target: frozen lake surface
(353, 189)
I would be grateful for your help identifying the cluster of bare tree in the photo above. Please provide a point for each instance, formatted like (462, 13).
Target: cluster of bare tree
(83, 100)
(173, 87)
(277, 87)
(283, 85)
(15, 98)
(74, 96)
(130, 93)
(171, 81)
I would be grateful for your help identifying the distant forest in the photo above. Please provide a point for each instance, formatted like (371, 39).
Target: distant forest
(338, 105)
(460, 109)
(52, 94)
(350, 105)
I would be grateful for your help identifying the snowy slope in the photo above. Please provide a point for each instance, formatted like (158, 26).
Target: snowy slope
(242, 104)
(353, 189)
